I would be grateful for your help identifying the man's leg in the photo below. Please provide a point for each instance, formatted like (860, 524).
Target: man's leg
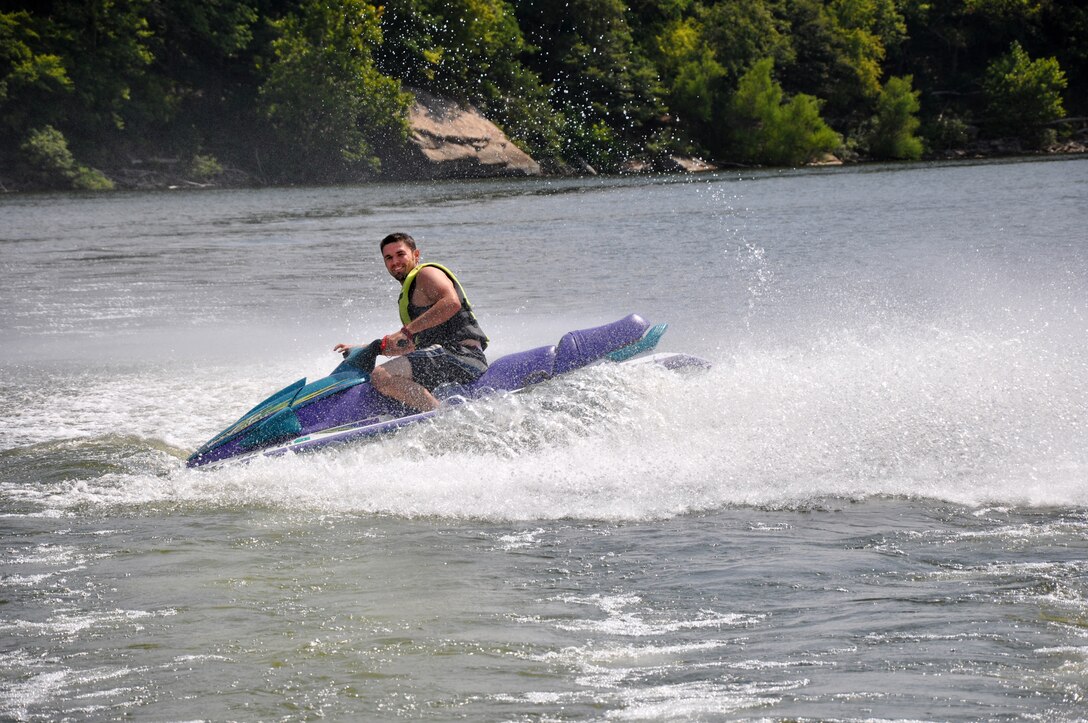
(394, 379)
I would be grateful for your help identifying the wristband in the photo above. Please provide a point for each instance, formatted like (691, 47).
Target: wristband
(404, 330)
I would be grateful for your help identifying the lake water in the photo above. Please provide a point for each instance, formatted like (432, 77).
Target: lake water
(873, 506)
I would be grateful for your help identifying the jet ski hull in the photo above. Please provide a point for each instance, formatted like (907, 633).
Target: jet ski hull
(344, 407)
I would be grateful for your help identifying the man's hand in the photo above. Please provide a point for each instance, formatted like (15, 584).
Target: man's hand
(397, 344)
(343, 349)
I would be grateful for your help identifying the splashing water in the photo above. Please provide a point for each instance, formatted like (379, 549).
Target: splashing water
(973, 418)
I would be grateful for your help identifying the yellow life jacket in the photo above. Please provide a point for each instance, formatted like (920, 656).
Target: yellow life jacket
(460, 326)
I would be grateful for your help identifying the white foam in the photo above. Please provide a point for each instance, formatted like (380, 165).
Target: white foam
(990, 418)
(626, 616)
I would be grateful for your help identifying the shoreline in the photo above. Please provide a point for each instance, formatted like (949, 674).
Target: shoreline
(162, 179)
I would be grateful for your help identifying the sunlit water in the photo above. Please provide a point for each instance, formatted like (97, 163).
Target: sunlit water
(874, 506)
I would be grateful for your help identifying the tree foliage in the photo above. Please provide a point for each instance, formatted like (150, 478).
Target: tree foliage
(473, 51)
(892, 134)
(31, 81)
(839, 51)
(468, 49)
(199, 89)
(766, 128)
(1022, 93)
(107, 49)
(328, 105)
(46, 153)
(602, 83)
(297, 90)
(694, 74)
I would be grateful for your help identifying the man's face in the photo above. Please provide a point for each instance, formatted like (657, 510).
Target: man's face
(399, 259)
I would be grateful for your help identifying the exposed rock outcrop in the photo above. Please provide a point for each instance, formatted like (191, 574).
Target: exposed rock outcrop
(683, 164)
(825, 159)
(453, 141)
(666, 164)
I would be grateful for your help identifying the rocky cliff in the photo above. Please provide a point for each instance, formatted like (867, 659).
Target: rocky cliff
(454, 141)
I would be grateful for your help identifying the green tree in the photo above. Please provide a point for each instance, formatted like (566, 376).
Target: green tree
(1022, 94)
(892, 134)
(298, 90)
(950, 46)
(597, 73)
(31, 79)
(467, 49)
(1063, 30)
(765, 129)
(649, 16)
(50, 163)
(473, 51)
(105, 46)
(200, 87)
(741, 32)
(839, 51)
(329, 107)
(692, 73)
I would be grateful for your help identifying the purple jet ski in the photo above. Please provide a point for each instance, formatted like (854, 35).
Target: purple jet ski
(344, 407)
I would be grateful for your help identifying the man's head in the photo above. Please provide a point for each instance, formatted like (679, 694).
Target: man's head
(400, 254)
(398, 237)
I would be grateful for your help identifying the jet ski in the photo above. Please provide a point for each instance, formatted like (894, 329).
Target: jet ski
(344, 407)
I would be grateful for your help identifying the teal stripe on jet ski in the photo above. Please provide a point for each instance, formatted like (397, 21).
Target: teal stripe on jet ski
(646, 343)
(265, 409)
(294, 396)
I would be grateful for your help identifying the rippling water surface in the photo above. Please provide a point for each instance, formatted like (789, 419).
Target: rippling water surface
(873, 506)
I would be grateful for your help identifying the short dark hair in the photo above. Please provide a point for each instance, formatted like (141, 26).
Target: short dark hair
(398, 238)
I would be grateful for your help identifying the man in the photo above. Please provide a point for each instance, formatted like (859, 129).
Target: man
(440, 341)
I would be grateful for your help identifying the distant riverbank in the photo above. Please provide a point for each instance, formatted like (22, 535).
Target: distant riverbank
(160, 173)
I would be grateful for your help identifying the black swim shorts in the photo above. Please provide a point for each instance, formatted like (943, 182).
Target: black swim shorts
(436, 365)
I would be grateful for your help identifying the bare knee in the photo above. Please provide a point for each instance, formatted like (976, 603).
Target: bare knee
(391, 375)
(380, 378)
